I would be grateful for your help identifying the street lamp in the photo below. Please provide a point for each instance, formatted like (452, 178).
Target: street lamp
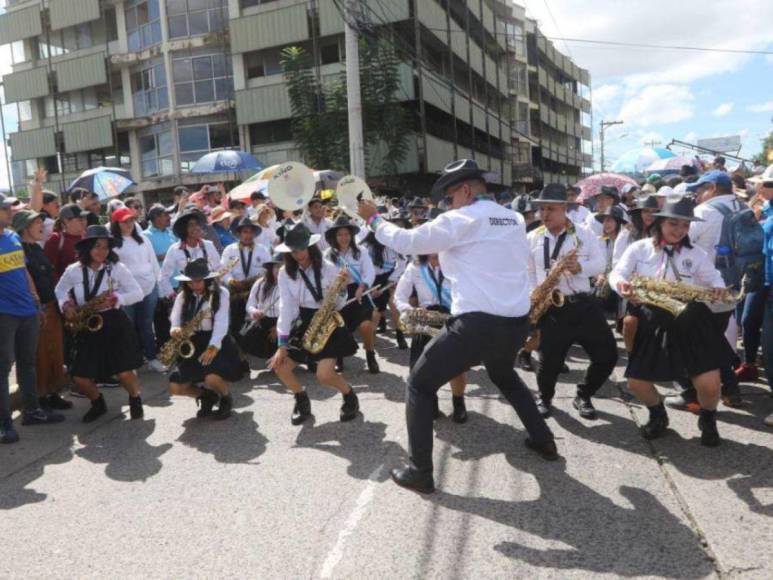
(604, 125)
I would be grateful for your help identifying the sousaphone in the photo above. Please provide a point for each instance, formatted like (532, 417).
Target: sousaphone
(350, 191)
(292, 186)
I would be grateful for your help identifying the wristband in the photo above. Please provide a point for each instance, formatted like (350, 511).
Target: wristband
(374, 221)
(281, 341)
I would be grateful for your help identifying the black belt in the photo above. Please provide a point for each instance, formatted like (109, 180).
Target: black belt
(574, 298)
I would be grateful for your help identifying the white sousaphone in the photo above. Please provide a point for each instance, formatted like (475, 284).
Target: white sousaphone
(350, 191)
(292, 186)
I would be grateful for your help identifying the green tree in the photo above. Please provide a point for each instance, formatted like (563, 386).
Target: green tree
(767, 147)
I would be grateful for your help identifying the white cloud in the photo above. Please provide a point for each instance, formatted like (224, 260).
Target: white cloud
(690, 137)
(604, 96)
(723, 109)
(761, 107)
(658, 105)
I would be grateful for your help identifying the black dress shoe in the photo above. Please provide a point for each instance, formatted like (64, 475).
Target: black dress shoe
(544, 407)
(401, 343)
(223, 408)
(370, 357)
(207, 401)
(55, 402)
(350, 407)
(135, 407)
(707, 423)
(585, 407)
(302, 409)
(407, 477)
(524, 361)
(547, 450)
(98, 408)
(658, 423)
(460, 410)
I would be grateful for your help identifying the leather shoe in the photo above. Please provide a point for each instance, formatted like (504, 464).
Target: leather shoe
(545, 408)
(584, 407)
(524, 361)
(302, 408)
(460, 410)
(547, 450)
(407, 477)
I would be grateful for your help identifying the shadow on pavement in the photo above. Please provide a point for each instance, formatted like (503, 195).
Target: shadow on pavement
(14, 489)
(234, 440)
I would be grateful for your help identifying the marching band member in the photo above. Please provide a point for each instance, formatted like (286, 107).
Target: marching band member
(303, 284)
(666, 347)
(580, 320)
(316, 221)
(249, 258)
(483, 252)
(113, 349)
(641, 218)
(263, 311)
(189, 229)
(575, 211)
(265, 217)
(343, 251)
(605, 198)
(215, 360)
(612, 221)
(523, 205)
(426, 279)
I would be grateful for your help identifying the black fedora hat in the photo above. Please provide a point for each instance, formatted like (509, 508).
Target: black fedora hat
(276, 258)
(456, 172)
(180, 226)
(341, 222)
(197, 269)
(417, 203)
(680, 208)
(523, 204)
(646, 202)
(401, 217)
(297, 237)
(249, 223)
(95, 233)
(615, 212)
(610, 191)
(552, 193)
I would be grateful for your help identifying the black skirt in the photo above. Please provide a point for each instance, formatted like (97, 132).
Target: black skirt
(667, 348)
(112, 350)
(356, 313)
(382, 301)
(340, 344)
(260, 341)
(226, 364)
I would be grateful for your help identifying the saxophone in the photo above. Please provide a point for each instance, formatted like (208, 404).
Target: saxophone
(181, 346)
(88, 316)
(244, 288)
(422, 321)
(675, 296)
(326, 320)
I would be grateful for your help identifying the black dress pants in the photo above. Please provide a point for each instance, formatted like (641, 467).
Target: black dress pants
(468, 340)
(576, 322)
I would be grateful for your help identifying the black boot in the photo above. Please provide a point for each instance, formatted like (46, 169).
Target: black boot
(547, 450)
(460, 410)
(370, 356)
(707, 423)
(350, 407)
(382, 325)
(584, 405)
(544, 406)
(658, 423)
(302, 409)
(98, 408)
(206, 400)
(223, 408)
(55, 402)
(524, 361)
(401, 343)
(408, 477)
(340, 364)
(135, 407)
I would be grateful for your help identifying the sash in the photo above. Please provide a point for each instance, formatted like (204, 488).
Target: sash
(441, 294)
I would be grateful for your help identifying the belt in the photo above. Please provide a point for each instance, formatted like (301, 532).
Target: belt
(574, 298)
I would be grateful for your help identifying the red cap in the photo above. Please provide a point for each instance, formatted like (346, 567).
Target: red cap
(123, 214)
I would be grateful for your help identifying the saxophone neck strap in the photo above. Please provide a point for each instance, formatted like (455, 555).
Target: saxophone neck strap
(547, 257)
(314, 289)
(88, 291)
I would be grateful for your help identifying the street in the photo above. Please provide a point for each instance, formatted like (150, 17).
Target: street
(174, 496)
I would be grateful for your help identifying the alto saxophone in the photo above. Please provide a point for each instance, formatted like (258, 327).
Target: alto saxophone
(675, 296)
(245, 287)
(326, 320)
(181, 346)
(422, 321)
(87, 315)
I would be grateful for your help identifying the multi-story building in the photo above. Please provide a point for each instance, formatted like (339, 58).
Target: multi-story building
(154, 84)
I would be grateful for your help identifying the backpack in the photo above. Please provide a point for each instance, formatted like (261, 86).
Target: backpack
(739, 251)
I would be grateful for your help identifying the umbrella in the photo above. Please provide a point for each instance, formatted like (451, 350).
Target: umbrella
(590, 186)
(244, 191)
(106, 182)
(638, 160)
(671, 164)
(267, 173)
(227, 162)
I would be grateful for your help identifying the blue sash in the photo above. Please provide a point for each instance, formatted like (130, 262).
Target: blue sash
(444, 297)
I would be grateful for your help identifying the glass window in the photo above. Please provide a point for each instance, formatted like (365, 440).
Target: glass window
(204, 91)
(198, 140)
(183, 94)
(194, 138)
(178, 26)
(149, 89)
(211, 75)
(156, 151)
(195, 17)
(202, 68)
(143, 25)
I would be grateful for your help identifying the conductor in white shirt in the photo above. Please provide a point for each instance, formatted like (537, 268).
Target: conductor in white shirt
(483, 252)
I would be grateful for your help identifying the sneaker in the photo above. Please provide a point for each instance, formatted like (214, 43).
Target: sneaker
(207, 401)
(584, 406)
(302, 408)
(157, 366)
(40, 417)
(55, 401)
(350, 407)
(135, 407)
(98, 408)
(685, 401)
(544, 407)
(707, 423)
(524, 361)
(8, 434)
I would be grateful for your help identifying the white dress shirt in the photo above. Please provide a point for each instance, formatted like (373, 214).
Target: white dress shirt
(622, 241)
(595, 225)
(393, 262)
(360, 267)
(231, 252)
(318, 228)
(141, 261)
(483, 252)
(269, 305)
(578, 214)
(118, 278)
(590, 256)
(176, 259)
(411, 279)
(294, 295)
(644, 259)
(219, 326)
(706, 234)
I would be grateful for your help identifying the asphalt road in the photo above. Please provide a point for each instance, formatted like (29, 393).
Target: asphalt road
(174, 497)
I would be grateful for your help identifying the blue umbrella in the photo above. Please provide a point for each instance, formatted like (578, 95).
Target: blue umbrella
(637, 160)
(227, 162)
(106, 182)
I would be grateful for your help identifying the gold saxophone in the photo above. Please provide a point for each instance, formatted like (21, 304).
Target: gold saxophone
(181, 346)
(422, 321)
(87, 315)
(326, 320)
(675, 296)
(245, 287)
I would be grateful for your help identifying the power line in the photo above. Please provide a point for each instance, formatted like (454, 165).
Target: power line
(553, 18)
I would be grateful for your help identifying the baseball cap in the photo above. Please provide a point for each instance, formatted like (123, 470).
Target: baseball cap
(23, 218)
(716, 177)
(156, 210)
(70, 211)
(123, 214)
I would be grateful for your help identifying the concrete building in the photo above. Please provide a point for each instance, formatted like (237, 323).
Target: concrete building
(154, 84)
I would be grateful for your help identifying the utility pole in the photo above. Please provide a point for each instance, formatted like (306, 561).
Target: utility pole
(604, 125)
(356, 141)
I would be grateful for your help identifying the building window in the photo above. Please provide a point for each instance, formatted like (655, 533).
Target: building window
(25, 110)
(270, 132)
(157, 150)
(330, 51)
(149, 89)
(65, 41)
(197, 140)
(78, 101)
(250, 3)
(193, 17)
(263, 63)
(143, 23)
(202, 79)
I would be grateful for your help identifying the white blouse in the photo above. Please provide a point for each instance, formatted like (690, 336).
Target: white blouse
(259, 255)
(644, 259)
(219, 326)
(141, 261)
(176, 259)
(269, 306)
(393, 262)
(359, 268)
(294, 295)
(117, 277)
(426, 293)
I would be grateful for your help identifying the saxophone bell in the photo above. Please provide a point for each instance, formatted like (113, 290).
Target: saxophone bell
(95, 323)
(186, 349)
(557, 298)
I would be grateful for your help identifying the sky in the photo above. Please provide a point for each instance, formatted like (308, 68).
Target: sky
(659, 94)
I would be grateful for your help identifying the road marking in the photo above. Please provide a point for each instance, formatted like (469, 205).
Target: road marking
(366, 496)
